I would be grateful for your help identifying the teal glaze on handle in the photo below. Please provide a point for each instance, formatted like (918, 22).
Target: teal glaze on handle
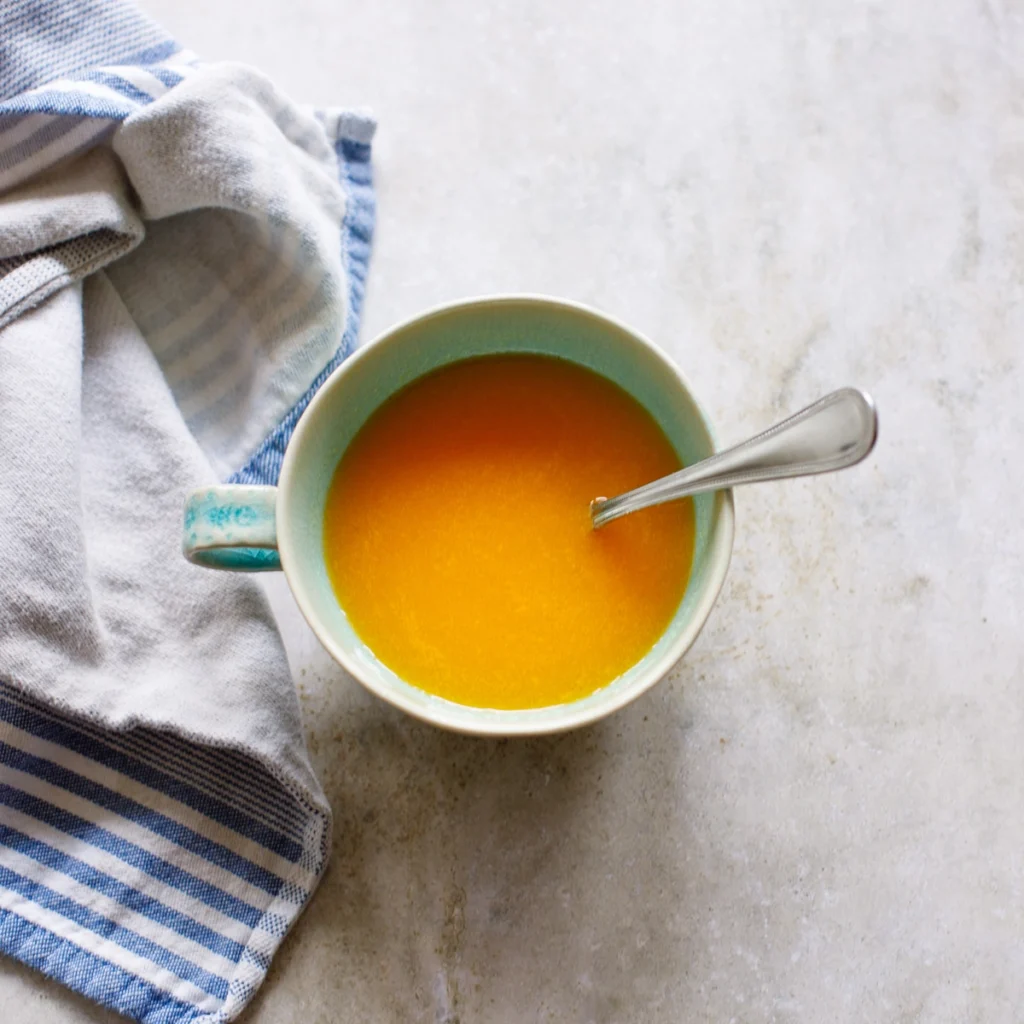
(233, 527)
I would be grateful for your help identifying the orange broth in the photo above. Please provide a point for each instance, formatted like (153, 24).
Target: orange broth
(457, 533)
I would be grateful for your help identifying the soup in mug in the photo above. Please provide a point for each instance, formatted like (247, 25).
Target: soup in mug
(458, 540)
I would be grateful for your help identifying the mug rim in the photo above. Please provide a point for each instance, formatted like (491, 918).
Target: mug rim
(502, 722)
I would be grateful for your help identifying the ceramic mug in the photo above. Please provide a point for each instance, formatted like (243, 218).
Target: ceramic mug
(246, 528)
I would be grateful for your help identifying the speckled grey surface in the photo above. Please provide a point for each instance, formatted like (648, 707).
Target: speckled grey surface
(818, 816)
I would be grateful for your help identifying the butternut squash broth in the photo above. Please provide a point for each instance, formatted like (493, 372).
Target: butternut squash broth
(458, 540)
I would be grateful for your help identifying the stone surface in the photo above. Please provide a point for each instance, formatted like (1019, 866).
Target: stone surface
(817, 817)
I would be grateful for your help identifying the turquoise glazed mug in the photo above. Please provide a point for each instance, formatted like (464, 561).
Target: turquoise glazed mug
(249, 529)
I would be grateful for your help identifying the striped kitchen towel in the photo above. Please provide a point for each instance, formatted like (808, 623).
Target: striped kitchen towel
(182, 259)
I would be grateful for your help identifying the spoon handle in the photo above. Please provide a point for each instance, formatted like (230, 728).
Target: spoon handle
(835, 432)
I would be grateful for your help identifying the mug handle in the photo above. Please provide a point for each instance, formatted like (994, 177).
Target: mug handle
(233, 527)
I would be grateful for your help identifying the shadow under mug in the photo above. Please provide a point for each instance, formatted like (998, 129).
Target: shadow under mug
(250, 528)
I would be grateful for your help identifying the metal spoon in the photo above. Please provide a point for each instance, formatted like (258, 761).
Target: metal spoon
(835, 432)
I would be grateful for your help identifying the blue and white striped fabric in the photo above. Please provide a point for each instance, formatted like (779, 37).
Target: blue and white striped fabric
(211, 326)
(154, 875)
(154, 862)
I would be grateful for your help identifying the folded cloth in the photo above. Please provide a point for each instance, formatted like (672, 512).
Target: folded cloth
(182, 256)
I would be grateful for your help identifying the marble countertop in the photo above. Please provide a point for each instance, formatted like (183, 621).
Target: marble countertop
(818, 815)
